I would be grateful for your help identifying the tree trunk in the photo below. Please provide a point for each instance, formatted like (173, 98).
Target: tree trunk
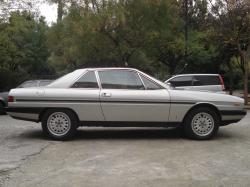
(230, 79)
(60, 6)
(231, 85)
(246, 82)
(244, 57)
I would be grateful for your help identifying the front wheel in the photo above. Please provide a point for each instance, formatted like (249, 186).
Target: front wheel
(59, 124)
(201, 123)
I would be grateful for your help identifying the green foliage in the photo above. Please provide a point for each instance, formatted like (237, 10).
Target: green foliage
(145, 34)
(23, 47)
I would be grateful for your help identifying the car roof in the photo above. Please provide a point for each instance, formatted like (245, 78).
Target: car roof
(103, 68)
(194, 74)
(183, 75)
(67, 79)
(107, 68)
(37, 80)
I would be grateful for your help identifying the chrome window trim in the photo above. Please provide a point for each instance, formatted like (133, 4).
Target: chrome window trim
(98, 79)
(138, 74)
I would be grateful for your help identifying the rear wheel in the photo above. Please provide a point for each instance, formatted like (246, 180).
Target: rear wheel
(201, 123)
(59, 124)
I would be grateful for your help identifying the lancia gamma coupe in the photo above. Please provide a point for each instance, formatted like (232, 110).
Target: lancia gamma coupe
(121, 97)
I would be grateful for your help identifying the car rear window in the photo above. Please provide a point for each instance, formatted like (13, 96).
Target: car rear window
(206, 80)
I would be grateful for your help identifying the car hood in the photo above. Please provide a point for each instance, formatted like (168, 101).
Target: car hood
(208, 97)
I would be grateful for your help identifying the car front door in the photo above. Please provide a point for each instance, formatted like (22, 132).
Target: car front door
(124, 97)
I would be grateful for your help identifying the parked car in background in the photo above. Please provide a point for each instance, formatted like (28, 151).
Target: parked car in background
(34, 83)
(26, 84)
(121, 97)
(202, 82)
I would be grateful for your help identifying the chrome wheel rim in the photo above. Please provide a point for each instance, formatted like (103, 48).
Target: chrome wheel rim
(202, 124)
(58, 123)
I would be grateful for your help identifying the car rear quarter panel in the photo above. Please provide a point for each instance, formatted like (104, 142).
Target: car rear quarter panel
(85, 104)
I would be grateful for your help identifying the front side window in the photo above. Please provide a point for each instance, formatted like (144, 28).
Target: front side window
(120, 79)
(181, 81)
(88, 80)
(150, 85)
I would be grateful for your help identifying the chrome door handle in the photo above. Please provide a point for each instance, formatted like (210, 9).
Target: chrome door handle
(106, 94)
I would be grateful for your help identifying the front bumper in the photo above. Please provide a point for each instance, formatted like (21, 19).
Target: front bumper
(232, 116)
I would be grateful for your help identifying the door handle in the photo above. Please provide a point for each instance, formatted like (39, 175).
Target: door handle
(105, 94)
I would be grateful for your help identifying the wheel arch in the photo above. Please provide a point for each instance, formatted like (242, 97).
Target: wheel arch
(56, 108)
(200, 105)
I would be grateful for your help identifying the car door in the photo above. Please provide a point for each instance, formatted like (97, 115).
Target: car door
(124, 97)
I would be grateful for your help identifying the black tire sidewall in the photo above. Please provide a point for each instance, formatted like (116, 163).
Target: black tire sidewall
(73, 127)
(188, 120)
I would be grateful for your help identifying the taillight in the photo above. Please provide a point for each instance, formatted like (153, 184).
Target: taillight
(222, 82)
(10, 99)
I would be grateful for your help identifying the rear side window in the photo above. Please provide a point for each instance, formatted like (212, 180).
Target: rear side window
(206, 80)
(181, 81)
(120, 79)
(88, 80)
(150, 85)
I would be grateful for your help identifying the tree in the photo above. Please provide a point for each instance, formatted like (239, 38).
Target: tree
(23, 47)
(232, 26)
(9, 6)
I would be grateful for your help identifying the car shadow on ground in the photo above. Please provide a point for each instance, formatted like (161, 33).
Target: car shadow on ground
(123, 133)
(128, 133)
(113, 133)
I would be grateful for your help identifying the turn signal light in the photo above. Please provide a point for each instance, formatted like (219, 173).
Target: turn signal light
(10, 99)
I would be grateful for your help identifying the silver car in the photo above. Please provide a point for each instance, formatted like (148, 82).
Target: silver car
(121, 97)
(200, 82)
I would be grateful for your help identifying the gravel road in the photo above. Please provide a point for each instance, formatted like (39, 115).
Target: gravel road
(123, 157)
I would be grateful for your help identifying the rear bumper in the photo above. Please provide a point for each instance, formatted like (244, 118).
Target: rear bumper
(232, 116)
(27, 114)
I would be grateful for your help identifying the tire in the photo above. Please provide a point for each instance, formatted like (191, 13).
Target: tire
(1, 108)
(59, 124)
(201, 124)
